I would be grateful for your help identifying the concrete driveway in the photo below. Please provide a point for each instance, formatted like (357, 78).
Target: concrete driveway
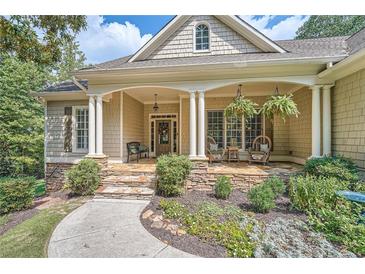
(107, 228)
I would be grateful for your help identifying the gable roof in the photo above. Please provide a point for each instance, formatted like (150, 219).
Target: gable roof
(331, 47)
(234, 22)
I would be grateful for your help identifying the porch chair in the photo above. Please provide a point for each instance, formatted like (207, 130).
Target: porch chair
(214, 153)
(135, 148)
(260, 150)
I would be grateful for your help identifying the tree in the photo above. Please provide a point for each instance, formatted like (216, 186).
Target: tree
(21, 118)
(330, 25)
(72, 58)
(38, 38)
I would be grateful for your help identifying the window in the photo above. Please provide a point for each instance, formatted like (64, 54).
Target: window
(81, 129)
(234, 131)
(216, 127)
(253, 128)
(201, 37)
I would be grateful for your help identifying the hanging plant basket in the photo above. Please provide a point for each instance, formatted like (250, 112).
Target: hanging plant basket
(241, 107)
(281, 105)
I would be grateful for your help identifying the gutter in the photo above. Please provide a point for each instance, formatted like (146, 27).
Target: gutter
(227, 64)
(331, 70)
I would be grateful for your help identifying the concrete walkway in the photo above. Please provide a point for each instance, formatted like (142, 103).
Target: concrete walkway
(107, 228)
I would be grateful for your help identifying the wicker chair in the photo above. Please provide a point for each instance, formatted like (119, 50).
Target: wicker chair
(214, 154)
(260, 150)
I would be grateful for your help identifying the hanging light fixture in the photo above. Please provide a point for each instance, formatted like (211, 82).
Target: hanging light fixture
(155, 106)
(239, 93)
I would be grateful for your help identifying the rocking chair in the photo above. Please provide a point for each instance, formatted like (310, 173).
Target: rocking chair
(260, 150)
(214, 153)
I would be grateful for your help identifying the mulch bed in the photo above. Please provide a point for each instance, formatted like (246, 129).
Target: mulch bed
(191, 199)
(39, 203)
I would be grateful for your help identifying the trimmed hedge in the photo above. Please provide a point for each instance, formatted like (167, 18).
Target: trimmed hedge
(83, 178)
(16, 193)
(223, 187)
(172, 171)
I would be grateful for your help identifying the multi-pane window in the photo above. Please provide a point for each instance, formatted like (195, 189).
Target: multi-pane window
(253, 128)
(202, 37)
(234, 131)
(174, 135)
(81, 128)
(216, 127)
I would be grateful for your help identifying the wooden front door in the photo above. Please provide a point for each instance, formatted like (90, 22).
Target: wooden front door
(163, 135)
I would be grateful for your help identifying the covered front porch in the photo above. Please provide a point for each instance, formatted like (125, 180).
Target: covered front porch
(186, 116)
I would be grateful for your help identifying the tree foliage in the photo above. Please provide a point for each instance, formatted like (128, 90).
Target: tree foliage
(38, 38)
(21, 118)
(330, 25)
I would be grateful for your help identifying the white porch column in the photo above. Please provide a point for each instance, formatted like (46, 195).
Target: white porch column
(316, 121)
(192, 128)
(201, 125)
(91, 125)
(99, 125)
(326, 119)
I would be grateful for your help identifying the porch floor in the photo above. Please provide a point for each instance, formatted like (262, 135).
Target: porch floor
(273, 168)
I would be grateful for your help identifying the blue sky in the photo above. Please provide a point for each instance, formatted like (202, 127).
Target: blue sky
(110, 37)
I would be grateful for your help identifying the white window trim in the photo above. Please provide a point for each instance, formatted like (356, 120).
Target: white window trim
(242, 148)
(194, 37)
(171, 119)
(74, 139)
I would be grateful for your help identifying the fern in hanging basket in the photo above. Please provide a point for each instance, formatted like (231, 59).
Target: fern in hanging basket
(282, 105)
(241, 107)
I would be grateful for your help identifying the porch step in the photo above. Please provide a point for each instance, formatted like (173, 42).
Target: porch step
(124, 192)
(140, 180)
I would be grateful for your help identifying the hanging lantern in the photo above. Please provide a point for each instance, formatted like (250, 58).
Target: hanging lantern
(155, 106)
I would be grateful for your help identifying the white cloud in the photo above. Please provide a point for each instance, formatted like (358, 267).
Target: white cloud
(103, 42)
(285, 29)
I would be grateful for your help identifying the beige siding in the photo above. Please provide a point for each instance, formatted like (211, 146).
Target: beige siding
(163, 108)
(300, 132)
(348, 117)
(133, 123)
(55, 127)
(223, 40)
(280, 130)
(111, 126)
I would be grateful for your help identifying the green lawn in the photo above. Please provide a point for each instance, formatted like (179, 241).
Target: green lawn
(30, 238)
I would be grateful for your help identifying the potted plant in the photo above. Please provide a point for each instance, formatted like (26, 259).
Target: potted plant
(241, 106)
(282, 105)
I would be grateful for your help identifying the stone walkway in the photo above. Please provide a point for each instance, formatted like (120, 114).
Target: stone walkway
(107, 228)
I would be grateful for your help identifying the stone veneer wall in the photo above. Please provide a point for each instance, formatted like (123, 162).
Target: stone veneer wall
(201, 179)
(348, 117)
(55, 173)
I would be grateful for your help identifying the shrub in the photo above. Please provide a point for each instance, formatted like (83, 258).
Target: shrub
(83, 178)
(338, 167)
(223, 187)
(16, 193)
(173, 209)
(309, 193)
(262, 198)
(276, 184)
(328, 213)
(172, 171)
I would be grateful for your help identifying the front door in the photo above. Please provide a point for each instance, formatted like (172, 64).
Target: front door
(163, 134)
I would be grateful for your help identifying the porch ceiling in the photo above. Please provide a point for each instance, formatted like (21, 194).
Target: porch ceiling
(146, 95)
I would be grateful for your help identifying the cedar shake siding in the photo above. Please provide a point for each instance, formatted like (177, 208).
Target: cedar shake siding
(223, 40)
(348, 117)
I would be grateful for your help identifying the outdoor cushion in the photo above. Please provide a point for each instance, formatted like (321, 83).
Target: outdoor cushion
(213, 147)
(264, 147)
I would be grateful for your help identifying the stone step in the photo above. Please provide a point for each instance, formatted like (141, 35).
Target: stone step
(130, 180)
(124, 192)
